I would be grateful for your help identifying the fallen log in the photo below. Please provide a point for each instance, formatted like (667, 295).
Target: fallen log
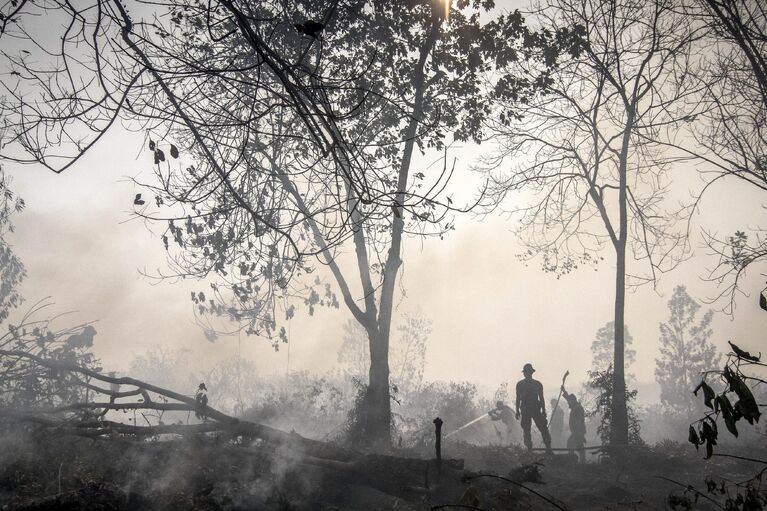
(123, 380)
(219, 421)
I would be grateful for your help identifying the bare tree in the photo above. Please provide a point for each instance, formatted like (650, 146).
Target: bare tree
(594, 150)
(743, 25)
(730, 136)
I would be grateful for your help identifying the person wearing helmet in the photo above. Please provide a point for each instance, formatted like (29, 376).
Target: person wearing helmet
(531, 406)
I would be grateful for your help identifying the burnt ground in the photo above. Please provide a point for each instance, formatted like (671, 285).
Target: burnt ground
(60, 471)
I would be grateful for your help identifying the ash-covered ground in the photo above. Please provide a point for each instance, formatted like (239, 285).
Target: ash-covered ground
(55, 470)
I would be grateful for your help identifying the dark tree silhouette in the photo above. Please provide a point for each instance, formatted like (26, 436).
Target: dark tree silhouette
(594, 150)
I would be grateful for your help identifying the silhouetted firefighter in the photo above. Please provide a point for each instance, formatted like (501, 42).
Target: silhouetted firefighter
(503, 413)
(557, 423)
(577, 423)
(533, 407)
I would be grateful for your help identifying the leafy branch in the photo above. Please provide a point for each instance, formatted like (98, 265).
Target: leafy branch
(744, 406)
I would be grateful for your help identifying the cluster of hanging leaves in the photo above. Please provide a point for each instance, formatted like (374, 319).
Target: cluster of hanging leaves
(159, 154)
(241, 254)
(739, 496)
(11, 269)
(10, 203)
(12, 272)
(559, 262)
(738, 244)
(705, 432)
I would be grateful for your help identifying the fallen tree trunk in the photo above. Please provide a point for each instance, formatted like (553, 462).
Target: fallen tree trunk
(123, 380)
(86, 426)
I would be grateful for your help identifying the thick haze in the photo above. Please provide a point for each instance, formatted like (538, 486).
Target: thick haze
(490, 312)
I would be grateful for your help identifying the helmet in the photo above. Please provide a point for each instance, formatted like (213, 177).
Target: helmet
(528, 368)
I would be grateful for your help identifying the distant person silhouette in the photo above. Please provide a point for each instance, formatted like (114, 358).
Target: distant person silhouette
(577, 422)
(201, 401)
(504, 413)
(532, 407)
(557, 423)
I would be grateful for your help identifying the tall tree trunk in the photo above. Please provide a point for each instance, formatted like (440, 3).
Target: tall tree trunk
(378, 403)
(619, 427)
(377, 432)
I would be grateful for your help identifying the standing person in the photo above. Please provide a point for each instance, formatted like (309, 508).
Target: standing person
(577, 422)
(502, 412)
(557, 423)
(201, 401)
(532, 405)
